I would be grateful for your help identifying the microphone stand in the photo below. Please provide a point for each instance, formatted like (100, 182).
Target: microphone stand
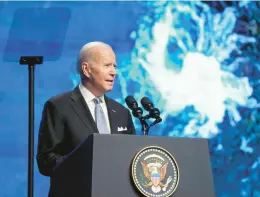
(137, 112)
(145, 126)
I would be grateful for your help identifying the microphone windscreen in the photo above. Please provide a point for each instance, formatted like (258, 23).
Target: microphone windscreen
(131, 102)
(146, 103)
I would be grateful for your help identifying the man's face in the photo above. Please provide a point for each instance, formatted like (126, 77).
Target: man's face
(101, 71)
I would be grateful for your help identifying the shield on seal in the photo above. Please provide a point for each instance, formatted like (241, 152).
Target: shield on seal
(156, 179)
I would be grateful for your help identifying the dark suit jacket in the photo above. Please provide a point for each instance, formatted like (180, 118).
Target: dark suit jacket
(66, 121)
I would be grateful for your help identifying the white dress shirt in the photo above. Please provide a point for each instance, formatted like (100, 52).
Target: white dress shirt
(89, 98)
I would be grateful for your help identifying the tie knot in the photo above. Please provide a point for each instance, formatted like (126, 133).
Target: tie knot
(97, 100)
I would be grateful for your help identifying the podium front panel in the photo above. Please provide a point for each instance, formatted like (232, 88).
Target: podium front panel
(113, 156)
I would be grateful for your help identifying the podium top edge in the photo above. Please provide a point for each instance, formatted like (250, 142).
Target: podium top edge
(147, 136)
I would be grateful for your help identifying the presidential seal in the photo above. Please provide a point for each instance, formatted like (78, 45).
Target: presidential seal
(155, 172)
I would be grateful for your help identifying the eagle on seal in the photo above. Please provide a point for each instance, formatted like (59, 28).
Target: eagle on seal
(155, 173)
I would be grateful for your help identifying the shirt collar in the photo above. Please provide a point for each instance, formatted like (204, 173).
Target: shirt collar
(88, 96)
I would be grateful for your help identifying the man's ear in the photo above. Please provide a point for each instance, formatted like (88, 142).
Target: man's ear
(85, 69)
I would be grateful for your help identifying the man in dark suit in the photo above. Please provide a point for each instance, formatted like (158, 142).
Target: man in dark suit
(69, 118)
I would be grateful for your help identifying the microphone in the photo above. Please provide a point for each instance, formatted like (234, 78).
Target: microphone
(148, 106)
(133, 105)
(137, 112)
(131, 102)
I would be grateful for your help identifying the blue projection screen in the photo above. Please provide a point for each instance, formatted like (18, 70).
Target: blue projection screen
(198, 61)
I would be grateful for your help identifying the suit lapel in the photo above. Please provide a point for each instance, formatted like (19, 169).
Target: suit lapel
(81, 108)
(112, 116)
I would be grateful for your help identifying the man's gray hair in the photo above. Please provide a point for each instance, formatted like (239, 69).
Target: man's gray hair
(84, 55)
